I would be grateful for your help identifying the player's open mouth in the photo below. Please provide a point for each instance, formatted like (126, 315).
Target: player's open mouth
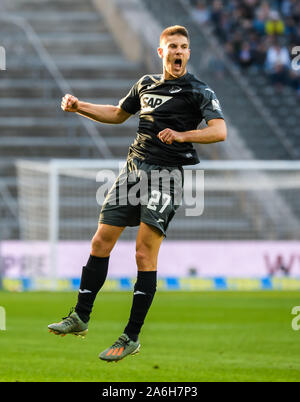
(178, 63)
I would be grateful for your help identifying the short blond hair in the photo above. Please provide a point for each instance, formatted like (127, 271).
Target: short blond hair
(174, 30)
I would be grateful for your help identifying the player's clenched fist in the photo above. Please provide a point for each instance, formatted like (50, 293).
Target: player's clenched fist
(69, 103)
(168, 136)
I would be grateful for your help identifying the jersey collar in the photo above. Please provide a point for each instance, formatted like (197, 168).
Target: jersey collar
(175, 80)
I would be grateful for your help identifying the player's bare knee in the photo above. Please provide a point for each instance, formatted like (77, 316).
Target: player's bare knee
(144, 260)
(101, 247)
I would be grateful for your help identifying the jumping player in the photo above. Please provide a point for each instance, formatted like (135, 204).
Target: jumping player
(171, 105)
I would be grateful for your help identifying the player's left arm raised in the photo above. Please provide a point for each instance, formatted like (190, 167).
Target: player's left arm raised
(215, 131)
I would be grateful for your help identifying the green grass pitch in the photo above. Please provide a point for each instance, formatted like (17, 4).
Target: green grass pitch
(207, 336)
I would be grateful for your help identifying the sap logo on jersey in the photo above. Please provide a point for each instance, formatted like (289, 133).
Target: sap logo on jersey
(150, 102)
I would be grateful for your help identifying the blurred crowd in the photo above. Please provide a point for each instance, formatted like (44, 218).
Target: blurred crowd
(258, 35)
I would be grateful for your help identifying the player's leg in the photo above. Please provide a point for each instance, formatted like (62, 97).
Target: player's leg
(95, 271)
(148, 243)
(92, 279)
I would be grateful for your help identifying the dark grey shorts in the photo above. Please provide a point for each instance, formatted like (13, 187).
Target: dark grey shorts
(143, 192)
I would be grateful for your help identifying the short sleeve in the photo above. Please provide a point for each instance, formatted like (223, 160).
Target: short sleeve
(131, 102)
(209, 105)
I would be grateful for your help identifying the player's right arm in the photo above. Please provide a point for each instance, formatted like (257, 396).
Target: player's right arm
(102, 113)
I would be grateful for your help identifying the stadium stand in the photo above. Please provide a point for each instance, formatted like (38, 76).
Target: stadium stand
(273, 32)
(53, 48)
(258, 37)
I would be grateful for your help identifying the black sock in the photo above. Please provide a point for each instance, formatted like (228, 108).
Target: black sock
(144, 290)
(92, 279)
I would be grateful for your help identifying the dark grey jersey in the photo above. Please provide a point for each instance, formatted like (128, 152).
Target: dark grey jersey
(178, 104)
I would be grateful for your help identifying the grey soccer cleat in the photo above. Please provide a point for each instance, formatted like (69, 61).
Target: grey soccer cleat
(72, 324)
(123, 347)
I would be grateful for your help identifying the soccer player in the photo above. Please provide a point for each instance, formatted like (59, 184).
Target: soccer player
(171, 105)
